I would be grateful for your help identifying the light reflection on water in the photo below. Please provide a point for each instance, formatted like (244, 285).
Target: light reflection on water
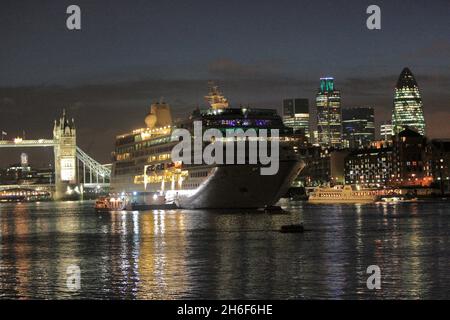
(209, 254)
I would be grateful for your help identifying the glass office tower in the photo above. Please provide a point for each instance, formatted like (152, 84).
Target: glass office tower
(296, 115)
(408, 108)
(358, 127)
(329, 117)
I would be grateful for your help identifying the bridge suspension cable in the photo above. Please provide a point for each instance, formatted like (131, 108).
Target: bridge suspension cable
(93, 166)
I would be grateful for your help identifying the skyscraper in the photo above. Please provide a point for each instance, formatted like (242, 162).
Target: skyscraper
(329, 118)
(296, 115)
(408, 108)
(386, 131)
(358, 128)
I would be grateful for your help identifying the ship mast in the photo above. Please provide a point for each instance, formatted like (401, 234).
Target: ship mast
(215, 98)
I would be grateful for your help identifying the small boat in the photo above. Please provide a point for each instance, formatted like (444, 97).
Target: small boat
(133, 202)
(391, 199)
(292, 228)
(398, 198)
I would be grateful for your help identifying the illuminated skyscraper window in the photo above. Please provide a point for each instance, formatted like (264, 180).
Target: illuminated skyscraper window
(408, 108)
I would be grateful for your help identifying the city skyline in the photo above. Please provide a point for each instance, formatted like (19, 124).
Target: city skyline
(313, 118)
(101, 72)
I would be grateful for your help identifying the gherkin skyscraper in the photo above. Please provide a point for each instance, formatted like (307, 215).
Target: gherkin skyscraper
(408, 108)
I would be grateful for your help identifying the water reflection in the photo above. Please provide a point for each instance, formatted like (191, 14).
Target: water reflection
(210, 254)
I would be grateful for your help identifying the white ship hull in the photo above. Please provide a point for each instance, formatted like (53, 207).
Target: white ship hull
(240, 186)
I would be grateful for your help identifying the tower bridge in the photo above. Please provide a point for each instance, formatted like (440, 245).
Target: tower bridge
(74, 168)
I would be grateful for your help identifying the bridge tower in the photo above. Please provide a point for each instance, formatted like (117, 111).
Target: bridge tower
(65, 148)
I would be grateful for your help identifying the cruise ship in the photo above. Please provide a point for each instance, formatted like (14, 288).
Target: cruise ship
(145, 174)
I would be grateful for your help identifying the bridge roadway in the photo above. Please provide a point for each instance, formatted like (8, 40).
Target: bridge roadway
(19, 143)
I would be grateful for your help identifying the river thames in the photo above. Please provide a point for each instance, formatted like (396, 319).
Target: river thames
(183, 254)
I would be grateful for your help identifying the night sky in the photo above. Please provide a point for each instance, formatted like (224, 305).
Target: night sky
(130, 53)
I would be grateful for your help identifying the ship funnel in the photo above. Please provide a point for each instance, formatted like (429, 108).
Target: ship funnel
(159, 116)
